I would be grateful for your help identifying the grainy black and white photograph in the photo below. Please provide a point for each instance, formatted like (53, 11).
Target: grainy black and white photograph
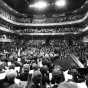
(43, 43)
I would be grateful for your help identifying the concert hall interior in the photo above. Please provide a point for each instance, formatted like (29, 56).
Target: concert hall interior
(43, 43)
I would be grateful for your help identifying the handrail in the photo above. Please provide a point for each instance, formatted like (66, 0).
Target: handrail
(6, 30)
(76, 60)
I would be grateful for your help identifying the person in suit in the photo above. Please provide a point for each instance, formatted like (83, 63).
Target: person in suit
(35, 81)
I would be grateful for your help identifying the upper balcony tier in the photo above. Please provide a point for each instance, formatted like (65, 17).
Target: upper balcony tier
(54, 16)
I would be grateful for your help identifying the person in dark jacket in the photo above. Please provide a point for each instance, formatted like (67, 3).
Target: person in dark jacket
(45, 75)
(24, 75)
(57, 76)
(35, 80)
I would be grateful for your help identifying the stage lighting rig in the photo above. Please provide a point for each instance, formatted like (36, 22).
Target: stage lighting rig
(39, 5)
(60, 3)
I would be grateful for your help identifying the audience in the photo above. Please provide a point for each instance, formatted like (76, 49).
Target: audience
(36, 68)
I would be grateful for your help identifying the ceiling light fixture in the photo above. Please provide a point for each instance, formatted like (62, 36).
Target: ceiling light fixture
(60, 3)
(41, 5)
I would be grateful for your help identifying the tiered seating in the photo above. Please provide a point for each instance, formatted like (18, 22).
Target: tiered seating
(64, 18)
(6, 25)
(50, 48)
(6, 14)
(52, 19)
(57, 19)
(61, 47)
(60, 29)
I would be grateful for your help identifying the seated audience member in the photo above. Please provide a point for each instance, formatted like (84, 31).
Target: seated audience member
(35, 80)
(76, 73)
(12, 66)
(34, 66)
(57, 76)
(2, 68)
(48, 63)
(24, 75)
(45, 75)
(73, 71)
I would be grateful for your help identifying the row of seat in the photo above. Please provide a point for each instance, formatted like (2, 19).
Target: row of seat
(51, 19)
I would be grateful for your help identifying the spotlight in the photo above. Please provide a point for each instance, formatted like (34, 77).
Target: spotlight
(60, 3)
(40, 5)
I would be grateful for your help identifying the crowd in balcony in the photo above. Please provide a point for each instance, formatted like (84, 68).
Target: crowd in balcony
(53, 19)
(60, 29)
